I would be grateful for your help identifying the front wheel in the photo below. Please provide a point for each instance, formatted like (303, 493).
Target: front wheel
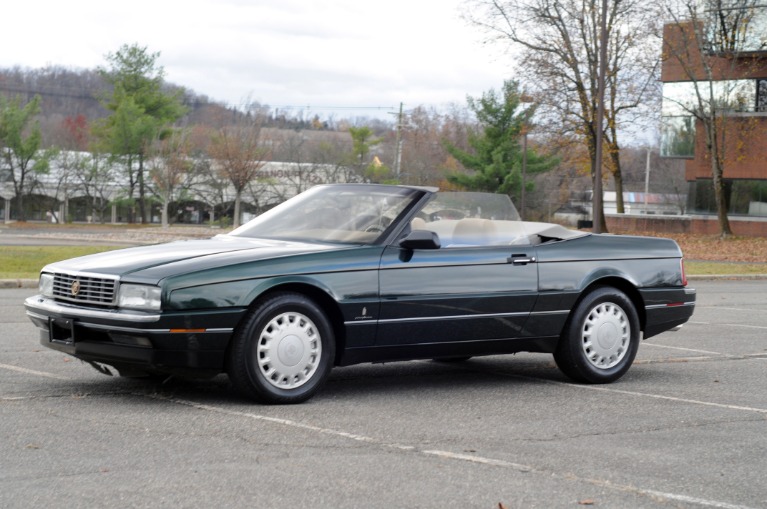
(600, 339)
(283, 351)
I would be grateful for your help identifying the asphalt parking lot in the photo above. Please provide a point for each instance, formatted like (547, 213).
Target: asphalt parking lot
(686, 427)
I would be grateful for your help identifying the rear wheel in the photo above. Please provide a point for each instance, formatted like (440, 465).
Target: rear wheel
(600, 339)
(283, 351)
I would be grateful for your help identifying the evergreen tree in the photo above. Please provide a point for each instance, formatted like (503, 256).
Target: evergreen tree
(20, 141)
(496, 159)
(142, 112)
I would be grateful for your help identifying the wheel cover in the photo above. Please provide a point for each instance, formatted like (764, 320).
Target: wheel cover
(606, 335)
(289, 350)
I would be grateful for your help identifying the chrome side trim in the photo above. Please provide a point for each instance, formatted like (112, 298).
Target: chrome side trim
(437, 318)
(661, 306)
(550, 313)
(113, 328)
(44, 304)
(35, 315)
(147, 331)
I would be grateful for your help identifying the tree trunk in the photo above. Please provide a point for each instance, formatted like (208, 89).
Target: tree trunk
(141, 190)
(617, 174)
(131, 190)
(721, 202)
(20, 215)
(618, 178)
(717, 171)
(236, 218)
(599, 217)
(19, 188)
(165, 213)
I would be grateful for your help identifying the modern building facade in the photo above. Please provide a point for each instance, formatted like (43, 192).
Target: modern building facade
(715, 67)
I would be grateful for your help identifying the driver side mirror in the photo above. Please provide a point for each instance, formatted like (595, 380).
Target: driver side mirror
(421, 239)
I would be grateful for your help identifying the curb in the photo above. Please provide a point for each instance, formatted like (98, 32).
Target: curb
(724, 277)
(18, 283)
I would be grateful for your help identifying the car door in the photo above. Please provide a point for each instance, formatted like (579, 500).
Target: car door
(455, 294)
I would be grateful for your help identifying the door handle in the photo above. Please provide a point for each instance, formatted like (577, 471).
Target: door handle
(520, 259)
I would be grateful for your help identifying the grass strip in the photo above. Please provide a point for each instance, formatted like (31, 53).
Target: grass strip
(701, 268)
(25, 262)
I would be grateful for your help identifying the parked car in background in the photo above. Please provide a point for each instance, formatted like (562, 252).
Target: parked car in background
(352, 273)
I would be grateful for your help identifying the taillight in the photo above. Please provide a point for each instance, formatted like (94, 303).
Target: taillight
(684, 276)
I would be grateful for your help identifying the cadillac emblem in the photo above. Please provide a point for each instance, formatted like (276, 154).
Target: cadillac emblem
(75, 288)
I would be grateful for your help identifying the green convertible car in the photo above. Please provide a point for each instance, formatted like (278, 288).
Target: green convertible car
(351, 273)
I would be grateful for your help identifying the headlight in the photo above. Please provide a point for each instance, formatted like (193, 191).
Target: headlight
(45, 285)
(139, 297)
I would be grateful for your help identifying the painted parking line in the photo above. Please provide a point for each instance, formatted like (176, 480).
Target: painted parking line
(597, 482)
(748, 310)
(451, 456)
(601, 388)
(681, 348)
(759, 327)
(448, 455)
(33, 372)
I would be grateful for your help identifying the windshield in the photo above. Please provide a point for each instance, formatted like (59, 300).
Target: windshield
(459, 205)
(352, 213)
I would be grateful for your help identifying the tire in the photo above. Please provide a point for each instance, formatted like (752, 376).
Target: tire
(283, 351)
(600, 339)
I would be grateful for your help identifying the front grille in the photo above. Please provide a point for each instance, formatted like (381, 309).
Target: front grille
(84, 289)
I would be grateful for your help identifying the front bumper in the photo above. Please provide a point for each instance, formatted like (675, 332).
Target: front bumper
(167, 341)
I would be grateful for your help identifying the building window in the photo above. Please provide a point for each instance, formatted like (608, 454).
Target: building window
(736, 26)
(678, 137)
(761, 95)
(743, 197)
(685, 101)
(692, 97)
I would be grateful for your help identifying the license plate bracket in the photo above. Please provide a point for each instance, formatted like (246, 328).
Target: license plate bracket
(61, 330)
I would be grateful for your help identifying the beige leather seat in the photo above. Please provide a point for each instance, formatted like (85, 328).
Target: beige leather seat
(418, 224)
(474, 232)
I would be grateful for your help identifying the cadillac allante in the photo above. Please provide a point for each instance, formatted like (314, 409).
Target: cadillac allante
(353, 273)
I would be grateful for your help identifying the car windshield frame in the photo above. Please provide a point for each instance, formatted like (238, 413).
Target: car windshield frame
(358, 214)
(469, 204)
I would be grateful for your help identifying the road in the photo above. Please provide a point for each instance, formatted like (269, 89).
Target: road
(686, 427)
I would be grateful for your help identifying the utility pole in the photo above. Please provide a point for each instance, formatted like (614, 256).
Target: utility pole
(398, 148)
(524, 169)
(647, 180)
(524, 98)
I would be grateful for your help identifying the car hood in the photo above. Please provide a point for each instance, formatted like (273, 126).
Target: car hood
(209, 252)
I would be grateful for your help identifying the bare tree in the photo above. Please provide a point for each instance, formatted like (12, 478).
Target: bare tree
(20, 154)
(96, 175)
(213, 187)
(558, 46)
(423, 153)
(238, 153)
(171, 170)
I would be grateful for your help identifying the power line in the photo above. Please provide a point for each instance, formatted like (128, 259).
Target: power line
(41, 92)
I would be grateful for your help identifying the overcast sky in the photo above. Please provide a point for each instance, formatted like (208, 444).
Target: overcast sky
(308, 54)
